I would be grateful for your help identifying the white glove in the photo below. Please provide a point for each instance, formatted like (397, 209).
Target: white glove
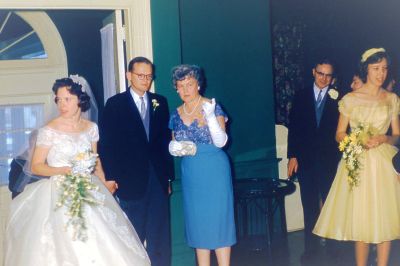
(218, 135)
(182, 148)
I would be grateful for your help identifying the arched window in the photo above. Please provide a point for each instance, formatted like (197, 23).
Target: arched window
(18, 40)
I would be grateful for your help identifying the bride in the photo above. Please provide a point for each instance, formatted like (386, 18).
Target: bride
(38, 231)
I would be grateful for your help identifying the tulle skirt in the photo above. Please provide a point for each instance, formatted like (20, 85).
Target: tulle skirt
(371, 211)
(36, 233)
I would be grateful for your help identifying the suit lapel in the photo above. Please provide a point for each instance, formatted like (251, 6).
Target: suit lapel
(150, 97)
(134, 113)
(329, 108)
(310, 98)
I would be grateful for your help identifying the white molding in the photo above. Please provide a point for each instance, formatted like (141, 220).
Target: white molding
(137, 18)
(120, 39)
(51, 41)
(46, 99)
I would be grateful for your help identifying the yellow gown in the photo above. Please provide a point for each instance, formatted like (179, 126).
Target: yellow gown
(370, 212)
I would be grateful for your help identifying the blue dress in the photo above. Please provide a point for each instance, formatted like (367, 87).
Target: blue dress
(207, 188)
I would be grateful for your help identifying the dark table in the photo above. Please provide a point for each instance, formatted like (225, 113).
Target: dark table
(257, 201)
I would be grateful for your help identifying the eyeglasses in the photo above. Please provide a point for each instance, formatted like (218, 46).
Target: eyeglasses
(323, 74)
(144, 76)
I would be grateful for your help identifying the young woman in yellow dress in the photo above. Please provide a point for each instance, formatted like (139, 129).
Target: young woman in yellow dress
(367, 213)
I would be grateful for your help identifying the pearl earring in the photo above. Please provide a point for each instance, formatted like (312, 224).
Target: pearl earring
(198, 88)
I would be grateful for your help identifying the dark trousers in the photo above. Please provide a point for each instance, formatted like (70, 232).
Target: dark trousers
(150, 217)
(314, 187)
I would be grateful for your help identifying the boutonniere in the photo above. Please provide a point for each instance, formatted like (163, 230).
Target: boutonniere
(334, 94)
(155, 104)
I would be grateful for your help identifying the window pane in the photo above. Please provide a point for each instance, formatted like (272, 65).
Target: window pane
(17, 39)
(16, 123)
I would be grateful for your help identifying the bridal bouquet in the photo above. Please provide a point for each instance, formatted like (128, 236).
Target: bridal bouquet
(353, 146)
(75, 192)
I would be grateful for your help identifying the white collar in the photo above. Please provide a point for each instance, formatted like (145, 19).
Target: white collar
(136, 96)
(317, 90)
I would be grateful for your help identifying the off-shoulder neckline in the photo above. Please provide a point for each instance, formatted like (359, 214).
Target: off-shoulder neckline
(386, 97)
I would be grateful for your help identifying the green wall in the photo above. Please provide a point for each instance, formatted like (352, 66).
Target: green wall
(230, 39)
(167, 54)
(166, 46)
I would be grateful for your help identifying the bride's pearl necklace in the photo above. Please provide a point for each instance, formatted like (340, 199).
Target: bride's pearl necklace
(194, 108)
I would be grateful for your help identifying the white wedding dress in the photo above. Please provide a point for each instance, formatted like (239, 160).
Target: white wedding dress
(36, 234)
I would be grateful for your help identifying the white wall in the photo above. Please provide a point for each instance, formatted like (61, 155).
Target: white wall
(294, 209)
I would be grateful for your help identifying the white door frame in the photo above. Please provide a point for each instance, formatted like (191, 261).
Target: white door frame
(136, 13)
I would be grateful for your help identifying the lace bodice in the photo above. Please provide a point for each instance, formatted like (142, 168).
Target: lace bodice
(193, 132)
(65, 145)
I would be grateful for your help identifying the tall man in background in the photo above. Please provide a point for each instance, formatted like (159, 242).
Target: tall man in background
(312, 150)
(134, 138)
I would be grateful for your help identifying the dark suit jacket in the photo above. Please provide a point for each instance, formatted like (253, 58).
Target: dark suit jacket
(313, 145)
(396, 162)
(125, 151)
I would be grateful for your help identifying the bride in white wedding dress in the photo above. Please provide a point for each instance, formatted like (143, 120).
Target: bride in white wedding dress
(37, 233)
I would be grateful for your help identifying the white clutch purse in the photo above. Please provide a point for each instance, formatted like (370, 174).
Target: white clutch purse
(182, 148)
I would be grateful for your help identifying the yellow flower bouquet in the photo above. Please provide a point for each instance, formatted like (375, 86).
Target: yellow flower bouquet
(352, 146)
(75, 192)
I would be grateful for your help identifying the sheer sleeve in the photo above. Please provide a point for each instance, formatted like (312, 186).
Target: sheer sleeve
(345, 107)
(395, 105)
(220, 112)
(45, 137)
(172, 119)
(94, 133)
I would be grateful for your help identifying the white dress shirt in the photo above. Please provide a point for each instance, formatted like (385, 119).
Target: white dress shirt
(136, 99)
(317, 90)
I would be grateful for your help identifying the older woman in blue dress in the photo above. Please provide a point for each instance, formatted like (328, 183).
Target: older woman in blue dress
(198, 127)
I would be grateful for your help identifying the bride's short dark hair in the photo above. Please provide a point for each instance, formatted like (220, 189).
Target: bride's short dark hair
(74, 89)
(372, 59)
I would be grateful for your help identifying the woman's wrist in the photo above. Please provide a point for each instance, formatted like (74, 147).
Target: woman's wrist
(383, 139)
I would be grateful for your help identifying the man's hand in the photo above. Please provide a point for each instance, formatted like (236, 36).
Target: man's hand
(293, 165)
(169, 187)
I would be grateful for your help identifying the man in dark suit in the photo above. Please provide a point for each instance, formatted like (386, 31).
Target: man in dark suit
(134, 139)
(312, 150)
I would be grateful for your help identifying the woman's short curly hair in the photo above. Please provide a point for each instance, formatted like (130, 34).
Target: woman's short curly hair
(373, 59)
(185, 71)
(74, 89)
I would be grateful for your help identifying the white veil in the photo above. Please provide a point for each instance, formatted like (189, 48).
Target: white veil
(92, 113)
(20, 173)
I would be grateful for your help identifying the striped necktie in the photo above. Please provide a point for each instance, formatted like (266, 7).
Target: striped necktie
(319, 98)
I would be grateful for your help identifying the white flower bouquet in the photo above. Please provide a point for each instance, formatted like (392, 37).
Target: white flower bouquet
(75, 192)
